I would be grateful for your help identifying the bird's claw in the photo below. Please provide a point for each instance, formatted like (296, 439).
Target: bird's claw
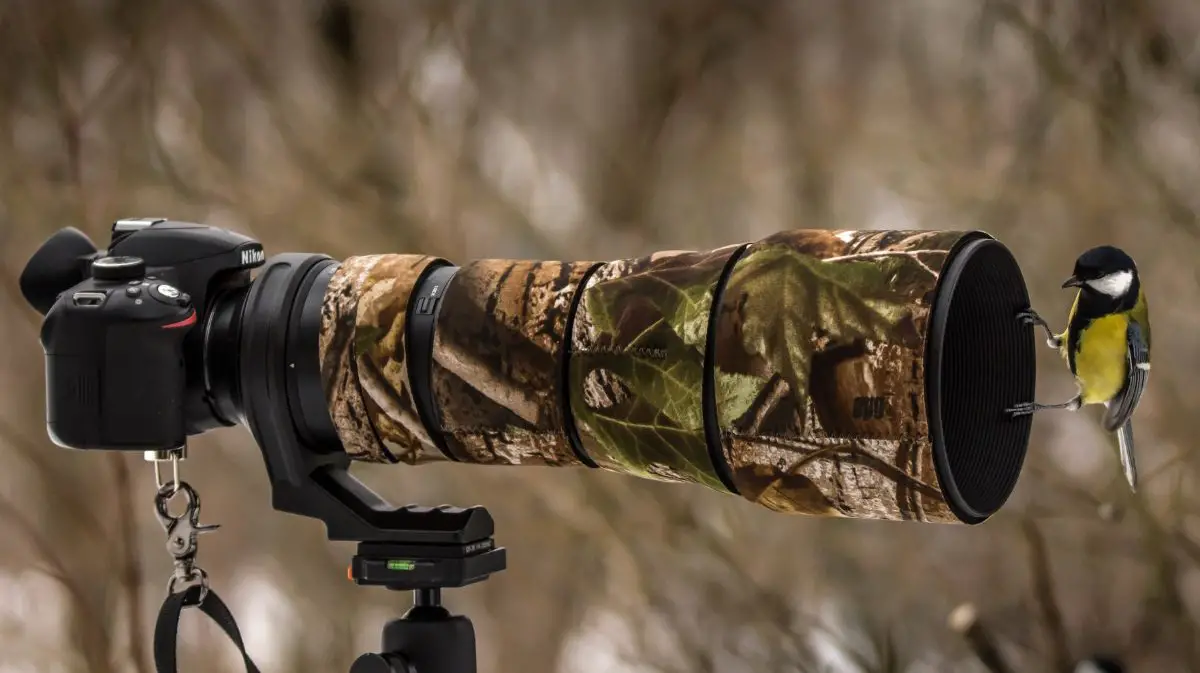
(1030, 317)
(1021, 409)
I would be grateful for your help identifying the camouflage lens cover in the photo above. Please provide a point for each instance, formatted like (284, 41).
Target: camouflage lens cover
(820, 352)
(637, 365)
(811, 367)
(363, 360)
(498, 359)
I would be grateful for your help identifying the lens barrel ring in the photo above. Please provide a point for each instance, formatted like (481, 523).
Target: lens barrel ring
(274, 324)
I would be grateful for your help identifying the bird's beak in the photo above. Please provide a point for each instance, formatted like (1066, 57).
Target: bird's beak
(1072, 282)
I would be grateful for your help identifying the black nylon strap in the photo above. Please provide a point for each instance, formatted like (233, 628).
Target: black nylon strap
(166, 630)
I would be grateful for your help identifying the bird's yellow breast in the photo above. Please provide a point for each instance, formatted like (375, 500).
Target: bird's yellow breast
(1100, 359)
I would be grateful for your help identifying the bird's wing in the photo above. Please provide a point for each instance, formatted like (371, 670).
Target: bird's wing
(1137, 356)
(1141, 313)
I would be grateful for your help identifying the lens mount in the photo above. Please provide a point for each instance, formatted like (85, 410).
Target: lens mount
(280, 367)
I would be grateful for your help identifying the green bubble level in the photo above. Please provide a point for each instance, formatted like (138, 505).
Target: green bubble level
(401, 565)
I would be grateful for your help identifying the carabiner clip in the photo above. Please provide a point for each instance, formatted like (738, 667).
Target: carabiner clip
(182, 532)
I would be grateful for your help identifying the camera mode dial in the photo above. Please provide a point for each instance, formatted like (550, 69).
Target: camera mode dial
(119, 268)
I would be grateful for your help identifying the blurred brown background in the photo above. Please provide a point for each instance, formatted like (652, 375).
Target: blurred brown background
(595, 130)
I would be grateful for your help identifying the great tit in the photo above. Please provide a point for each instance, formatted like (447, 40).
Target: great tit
(1106, 344)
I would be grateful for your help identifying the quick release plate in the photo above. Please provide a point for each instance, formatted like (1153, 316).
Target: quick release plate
(421, 563)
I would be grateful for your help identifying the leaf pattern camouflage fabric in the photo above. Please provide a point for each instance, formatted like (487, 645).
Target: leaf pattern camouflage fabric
(816, 370)
(637, 365)
(820, 352)
(497, 353)
(363, 359)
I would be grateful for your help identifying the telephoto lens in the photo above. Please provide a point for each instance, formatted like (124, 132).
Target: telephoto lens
(859, 374)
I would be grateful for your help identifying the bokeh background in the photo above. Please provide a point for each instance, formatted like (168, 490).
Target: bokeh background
(594, 130)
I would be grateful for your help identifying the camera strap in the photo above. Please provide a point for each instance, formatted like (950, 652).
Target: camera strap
(166, 629)
(188, 586)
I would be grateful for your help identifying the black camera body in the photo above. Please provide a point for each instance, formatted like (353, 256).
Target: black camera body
(124, 330)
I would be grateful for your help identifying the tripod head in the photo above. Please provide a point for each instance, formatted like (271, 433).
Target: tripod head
(169, 315)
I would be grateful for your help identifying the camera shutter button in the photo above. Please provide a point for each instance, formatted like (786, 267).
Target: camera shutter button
(169, 294)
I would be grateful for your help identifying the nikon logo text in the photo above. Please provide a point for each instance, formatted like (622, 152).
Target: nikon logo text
(252, 256)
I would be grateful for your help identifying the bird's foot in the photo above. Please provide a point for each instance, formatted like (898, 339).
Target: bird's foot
(1031, 318)
(1022, 409)
(1028, 408)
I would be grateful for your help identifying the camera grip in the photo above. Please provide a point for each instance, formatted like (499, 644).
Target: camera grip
(115, 373)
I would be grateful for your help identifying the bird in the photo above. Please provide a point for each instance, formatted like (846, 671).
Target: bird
(1106, 344)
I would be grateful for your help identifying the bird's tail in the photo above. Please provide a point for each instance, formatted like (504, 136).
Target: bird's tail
(1125, 440)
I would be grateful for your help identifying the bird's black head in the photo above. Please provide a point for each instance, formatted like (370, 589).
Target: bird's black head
(1106, 271)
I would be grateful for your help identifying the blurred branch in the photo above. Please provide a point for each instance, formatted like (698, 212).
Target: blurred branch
(224, 28)
(1030, 142)
(13, 293)
(1169, 468)
(90, 628)
(773, 609)
(10, 281)
(130, 572)
(138, 41)
(162, 156)
(338, 25)
(980, 43)
(68, 115)
(686, 45)
(1045, 52)
(1157, 530)
(1115, 122)
(964, 621)
(1045, 600)
(27, 449)
(1165, 602)
(591, 520)
(543, 244)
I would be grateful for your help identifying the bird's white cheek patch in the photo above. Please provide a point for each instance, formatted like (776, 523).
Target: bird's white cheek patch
(1114, 284)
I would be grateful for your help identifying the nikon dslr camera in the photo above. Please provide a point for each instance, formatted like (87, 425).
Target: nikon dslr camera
(125, 327)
